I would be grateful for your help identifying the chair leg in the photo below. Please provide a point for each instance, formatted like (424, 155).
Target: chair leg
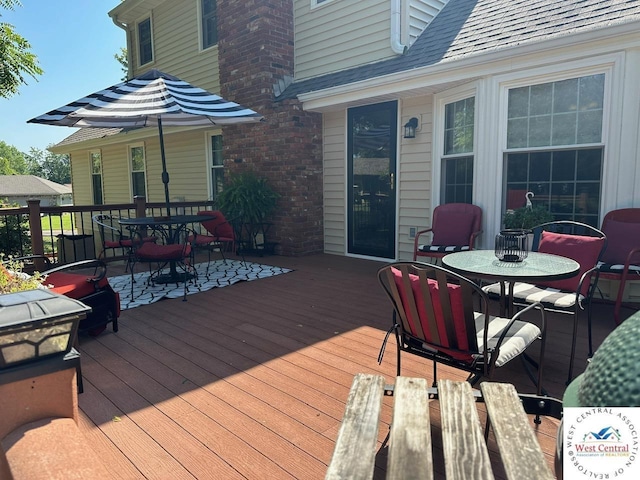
(573, 346)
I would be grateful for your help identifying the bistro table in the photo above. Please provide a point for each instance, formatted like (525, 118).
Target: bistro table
(171, 228)
(410, 438)
(537, 267)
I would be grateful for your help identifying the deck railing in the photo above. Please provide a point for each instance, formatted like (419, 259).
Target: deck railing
(67, 233)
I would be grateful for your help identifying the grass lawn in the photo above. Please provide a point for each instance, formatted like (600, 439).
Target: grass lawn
(56, 222)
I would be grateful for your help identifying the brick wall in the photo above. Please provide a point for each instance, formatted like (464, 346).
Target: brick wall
(255, 51)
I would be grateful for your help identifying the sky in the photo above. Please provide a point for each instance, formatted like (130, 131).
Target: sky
(75, 42)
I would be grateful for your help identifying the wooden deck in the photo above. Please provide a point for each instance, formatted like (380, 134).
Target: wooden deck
(250, 381)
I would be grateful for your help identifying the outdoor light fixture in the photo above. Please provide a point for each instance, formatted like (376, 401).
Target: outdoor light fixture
(410, 128)
(36, 324)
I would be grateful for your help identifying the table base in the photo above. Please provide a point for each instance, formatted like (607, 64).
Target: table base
(165, 278)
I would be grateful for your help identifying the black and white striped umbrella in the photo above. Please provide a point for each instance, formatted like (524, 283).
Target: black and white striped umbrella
(152, 99)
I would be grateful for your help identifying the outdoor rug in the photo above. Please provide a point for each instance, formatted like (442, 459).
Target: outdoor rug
(221, 273)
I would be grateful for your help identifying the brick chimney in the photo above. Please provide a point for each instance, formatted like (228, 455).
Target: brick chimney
(255, 48)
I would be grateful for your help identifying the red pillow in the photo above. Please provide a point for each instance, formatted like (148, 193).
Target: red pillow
(453, 229)
(583, 249)
(622, 237)
(455, 296)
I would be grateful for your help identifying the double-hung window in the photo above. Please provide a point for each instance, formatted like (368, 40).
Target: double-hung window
(138, 171)
(96, 177)
(209, 16)
(457, 161)
(145, 41)
(555, 148)
(217, 166)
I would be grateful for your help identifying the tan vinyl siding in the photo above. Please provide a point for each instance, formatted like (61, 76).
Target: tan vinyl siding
(185, 153)
(335, 172)
(81, 178)
(415, 173)
(340, 35)
(421, 13)
(175, 31)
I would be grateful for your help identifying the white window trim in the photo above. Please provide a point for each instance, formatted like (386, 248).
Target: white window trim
(146, 169)
(137, 44)
(201, 32)
(493, 119)
(209, 158)
(440, 101)
(91, 152)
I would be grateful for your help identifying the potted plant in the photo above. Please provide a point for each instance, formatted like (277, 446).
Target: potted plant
(525, 218)
(247, 200)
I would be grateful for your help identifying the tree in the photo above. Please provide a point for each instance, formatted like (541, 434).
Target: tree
(16, 60)
(124, 61)
(12, 161)
(45, 164)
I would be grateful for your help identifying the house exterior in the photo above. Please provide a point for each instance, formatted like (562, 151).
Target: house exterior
(506, 96)
(18, 189)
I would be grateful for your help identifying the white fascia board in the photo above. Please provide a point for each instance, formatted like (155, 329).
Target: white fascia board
(471, 67)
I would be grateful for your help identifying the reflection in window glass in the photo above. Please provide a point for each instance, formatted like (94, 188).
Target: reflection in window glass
(138, 171)
(209, 23)
(566, 182)
(567, 112)
(145, 48)
(96, 178)
(217, 166)
(457, 163)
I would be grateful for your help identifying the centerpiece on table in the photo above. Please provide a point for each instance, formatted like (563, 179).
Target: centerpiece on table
(514, 241)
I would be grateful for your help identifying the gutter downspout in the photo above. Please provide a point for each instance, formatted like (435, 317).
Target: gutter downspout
(123, 26)
(396, 45)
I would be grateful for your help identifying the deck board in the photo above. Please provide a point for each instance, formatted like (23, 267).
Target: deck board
(251, 380)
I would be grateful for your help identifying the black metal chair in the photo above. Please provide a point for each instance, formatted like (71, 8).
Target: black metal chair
(113, 237)
(434, 318)
(580, 242)
(158, 256)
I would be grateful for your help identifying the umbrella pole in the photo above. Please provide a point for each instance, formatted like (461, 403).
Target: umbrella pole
(165, 174)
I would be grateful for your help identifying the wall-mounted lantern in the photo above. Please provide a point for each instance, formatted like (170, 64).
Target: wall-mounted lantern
(410, 128)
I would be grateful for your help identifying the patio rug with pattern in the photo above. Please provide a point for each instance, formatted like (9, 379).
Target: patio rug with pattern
(220, 273)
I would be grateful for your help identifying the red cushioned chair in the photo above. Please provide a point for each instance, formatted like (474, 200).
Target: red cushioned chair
(176, 255)
(85, 281)
(434, 317)
(584, 244)
(621, 259)
(454, 228)
(113, 237)
(220, 233)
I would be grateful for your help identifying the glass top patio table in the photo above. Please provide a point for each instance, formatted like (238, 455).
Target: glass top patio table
(536, 267)
(171, 229)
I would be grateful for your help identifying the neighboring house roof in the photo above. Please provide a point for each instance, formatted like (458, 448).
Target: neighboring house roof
(472, 27)
(84, 134)
(30, 185)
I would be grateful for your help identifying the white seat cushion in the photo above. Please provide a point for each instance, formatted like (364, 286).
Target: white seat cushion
(529, 293)
(617, 268)
(443, 248)
(518, 338)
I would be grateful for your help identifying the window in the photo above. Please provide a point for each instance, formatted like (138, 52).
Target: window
(96, 177)
(457, 161)
(554, 147)
(145, 45)
(138, 169)
(217, 166)
(209, 23)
